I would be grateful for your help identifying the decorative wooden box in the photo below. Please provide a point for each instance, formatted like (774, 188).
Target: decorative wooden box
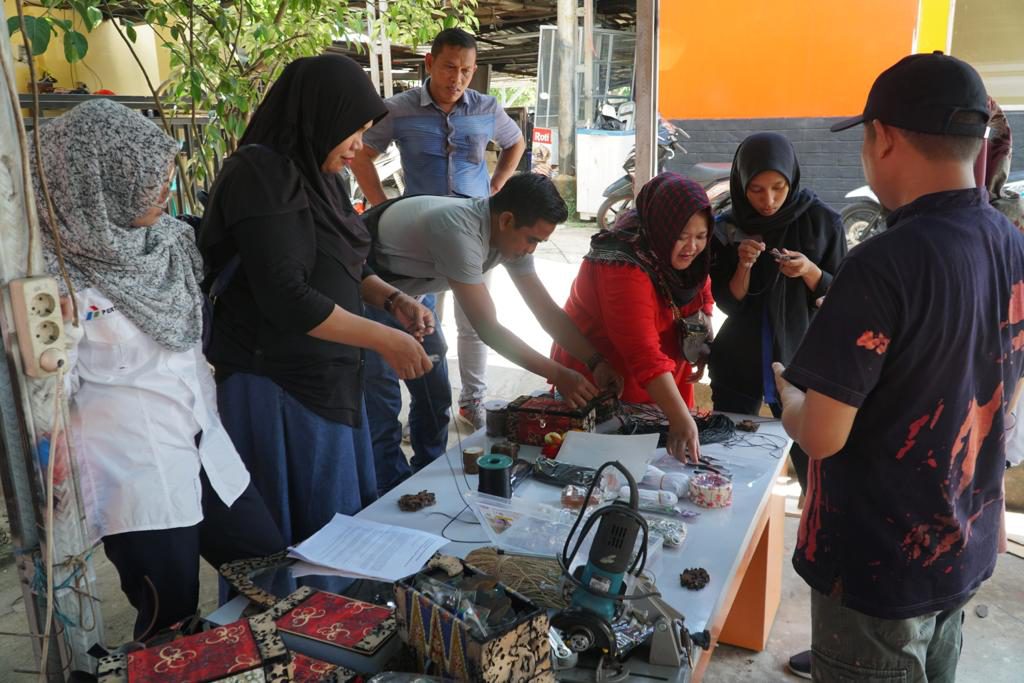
(310, 617)
(246, 651)
(445, 644)
(531, 417)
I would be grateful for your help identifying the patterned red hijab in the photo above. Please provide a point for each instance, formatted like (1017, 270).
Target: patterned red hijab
(645, 236)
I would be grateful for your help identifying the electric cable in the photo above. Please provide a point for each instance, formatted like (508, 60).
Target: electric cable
(565, 559)
(48, 200)
(48, 561)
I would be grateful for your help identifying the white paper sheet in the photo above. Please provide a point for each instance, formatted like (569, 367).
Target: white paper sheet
(634, 451)
(361, 548)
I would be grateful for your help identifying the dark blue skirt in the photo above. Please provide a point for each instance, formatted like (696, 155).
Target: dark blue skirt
(307, 468)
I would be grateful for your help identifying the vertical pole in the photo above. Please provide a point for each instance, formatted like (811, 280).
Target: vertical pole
(588, 61)
(566, 86)
(27, 415)
(385, 53)
(646, 79)
(371, 46)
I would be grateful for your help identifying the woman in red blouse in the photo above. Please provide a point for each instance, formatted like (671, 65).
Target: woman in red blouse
(641, 287)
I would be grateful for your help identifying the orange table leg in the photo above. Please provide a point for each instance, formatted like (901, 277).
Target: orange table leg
(754, 595)
(760, 590)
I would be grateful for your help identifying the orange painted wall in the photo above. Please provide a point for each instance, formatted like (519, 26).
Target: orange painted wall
(777, 58)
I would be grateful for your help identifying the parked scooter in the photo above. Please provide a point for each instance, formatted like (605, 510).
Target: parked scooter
(864, 217)
(389, 170)
(619, 195)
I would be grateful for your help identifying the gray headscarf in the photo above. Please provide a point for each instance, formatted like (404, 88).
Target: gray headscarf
(106, 166)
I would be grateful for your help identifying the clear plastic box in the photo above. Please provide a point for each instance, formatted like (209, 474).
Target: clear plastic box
(524, 526)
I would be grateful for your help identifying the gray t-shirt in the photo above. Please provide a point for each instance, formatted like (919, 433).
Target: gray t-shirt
(425, 241)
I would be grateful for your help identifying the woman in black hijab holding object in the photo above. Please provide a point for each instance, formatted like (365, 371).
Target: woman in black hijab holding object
(773, 256)
(285, 256)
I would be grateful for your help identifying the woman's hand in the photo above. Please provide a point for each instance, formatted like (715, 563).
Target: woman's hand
(404, 354)
(607, 379)
(413, 316)
(574, 387)
(797, 265)
(683, 442)
(749, 250)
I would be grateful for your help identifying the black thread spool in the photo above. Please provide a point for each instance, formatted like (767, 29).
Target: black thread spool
(497, 415)
(495, 475)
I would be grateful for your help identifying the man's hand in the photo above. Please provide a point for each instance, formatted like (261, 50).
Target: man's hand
(574, 387)
(607, 379)
(413, 316)
(781, 384)
(749, 250)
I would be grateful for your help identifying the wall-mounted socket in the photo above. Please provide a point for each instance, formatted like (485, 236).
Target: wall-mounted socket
(37, 318)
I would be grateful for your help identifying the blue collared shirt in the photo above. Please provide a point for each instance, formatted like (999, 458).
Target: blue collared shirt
(443, 153)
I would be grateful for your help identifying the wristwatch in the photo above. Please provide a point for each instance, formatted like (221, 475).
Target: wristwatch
(389, 303)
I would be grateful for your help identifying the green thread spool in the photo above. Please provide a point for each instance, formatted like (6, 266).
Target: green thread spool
(495, 475)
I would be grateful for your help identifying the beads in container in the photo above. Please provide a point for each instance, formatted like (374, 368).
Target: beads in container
(573, 497)
(711, 490)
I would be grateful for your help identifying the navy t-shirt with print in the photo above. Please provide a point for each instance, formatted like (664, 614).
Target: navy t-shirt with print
(922, 331)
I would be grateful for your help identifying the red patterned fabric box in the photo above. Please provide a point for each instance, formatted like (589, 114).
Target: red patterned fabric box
(334, 620)
(246, 651)
(531, 417)
(308, 670)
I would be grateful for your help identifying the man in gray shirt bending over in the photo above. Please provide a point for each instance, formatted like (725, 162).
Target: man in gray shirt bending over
(424, 245)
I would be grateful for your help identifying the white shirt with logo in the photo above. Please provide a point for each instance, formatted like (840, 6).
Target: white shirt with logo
(136, 408)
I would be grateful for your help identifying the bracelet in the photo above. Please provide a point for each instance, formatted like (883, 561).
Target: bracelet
(389, 303)
(594, 361)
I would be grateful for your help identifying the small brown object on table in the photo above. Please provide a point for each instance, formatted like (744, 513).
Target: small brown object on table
(747, 426)
(414, 502)
(694, 578)
(506, 448)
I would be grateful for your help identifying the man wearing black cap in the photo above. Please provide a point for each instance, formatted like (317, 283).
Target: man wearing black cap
(899, 390)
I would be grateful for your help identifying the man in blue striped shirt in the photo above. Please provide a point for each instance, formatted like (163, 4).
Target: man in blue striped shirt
(442, 129)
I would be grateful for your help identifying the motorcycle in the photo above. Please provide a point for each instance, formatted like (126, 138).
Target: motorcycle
(389, 170)
(864, 217)
(619, 195)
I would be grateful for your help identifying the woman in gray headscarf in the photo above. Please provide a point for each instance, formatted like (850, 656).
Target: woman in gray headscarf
(161, 481)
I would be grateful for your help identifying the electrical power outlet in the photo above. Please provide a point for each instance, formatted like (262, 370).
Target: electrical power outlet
(37, 318)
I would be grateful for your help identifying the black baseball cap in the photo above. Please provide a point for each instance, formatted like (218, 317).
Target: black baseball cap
(922, 93)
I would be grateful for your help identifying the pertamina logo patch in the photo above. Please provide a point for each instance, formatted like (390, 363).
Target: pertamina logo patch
(95, 312)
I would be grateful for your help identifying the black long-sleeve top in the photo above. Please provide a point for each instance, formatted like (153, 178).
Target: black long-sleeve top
(736, 357)
(289, 280)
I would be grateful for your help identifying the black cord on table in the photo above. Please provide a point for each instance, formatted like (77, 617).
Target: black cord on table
(452, 519)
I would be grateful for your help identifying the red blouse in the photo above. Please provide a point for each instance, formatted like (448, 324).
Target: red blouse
(617, 308)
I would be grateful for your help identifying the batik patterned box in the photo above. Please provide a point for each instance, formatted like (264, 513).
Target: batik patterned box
(308, 670)
(531, 417)
(246, 651)
(334, 620)
(518, 654)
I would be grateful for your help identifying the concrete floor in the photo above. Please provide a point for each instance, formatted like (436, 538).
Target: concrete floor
(993, 646)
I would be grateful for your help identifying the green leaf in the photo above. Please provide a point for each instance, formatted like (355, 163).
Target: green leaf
(39, 32)
(129, 31)
(95, 15)
(75, 46)
(450, 22)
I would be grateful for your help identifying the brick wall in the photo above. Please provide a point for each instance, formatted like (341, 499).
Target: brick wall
(829, 162)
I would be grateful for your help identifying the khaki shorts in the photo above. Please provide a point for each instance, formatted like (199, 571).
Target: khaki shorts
(848, 645)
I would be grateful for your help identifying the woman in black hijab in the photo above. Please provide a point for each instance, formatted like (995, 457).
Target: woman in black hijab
(286, 254)
(773, 256)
